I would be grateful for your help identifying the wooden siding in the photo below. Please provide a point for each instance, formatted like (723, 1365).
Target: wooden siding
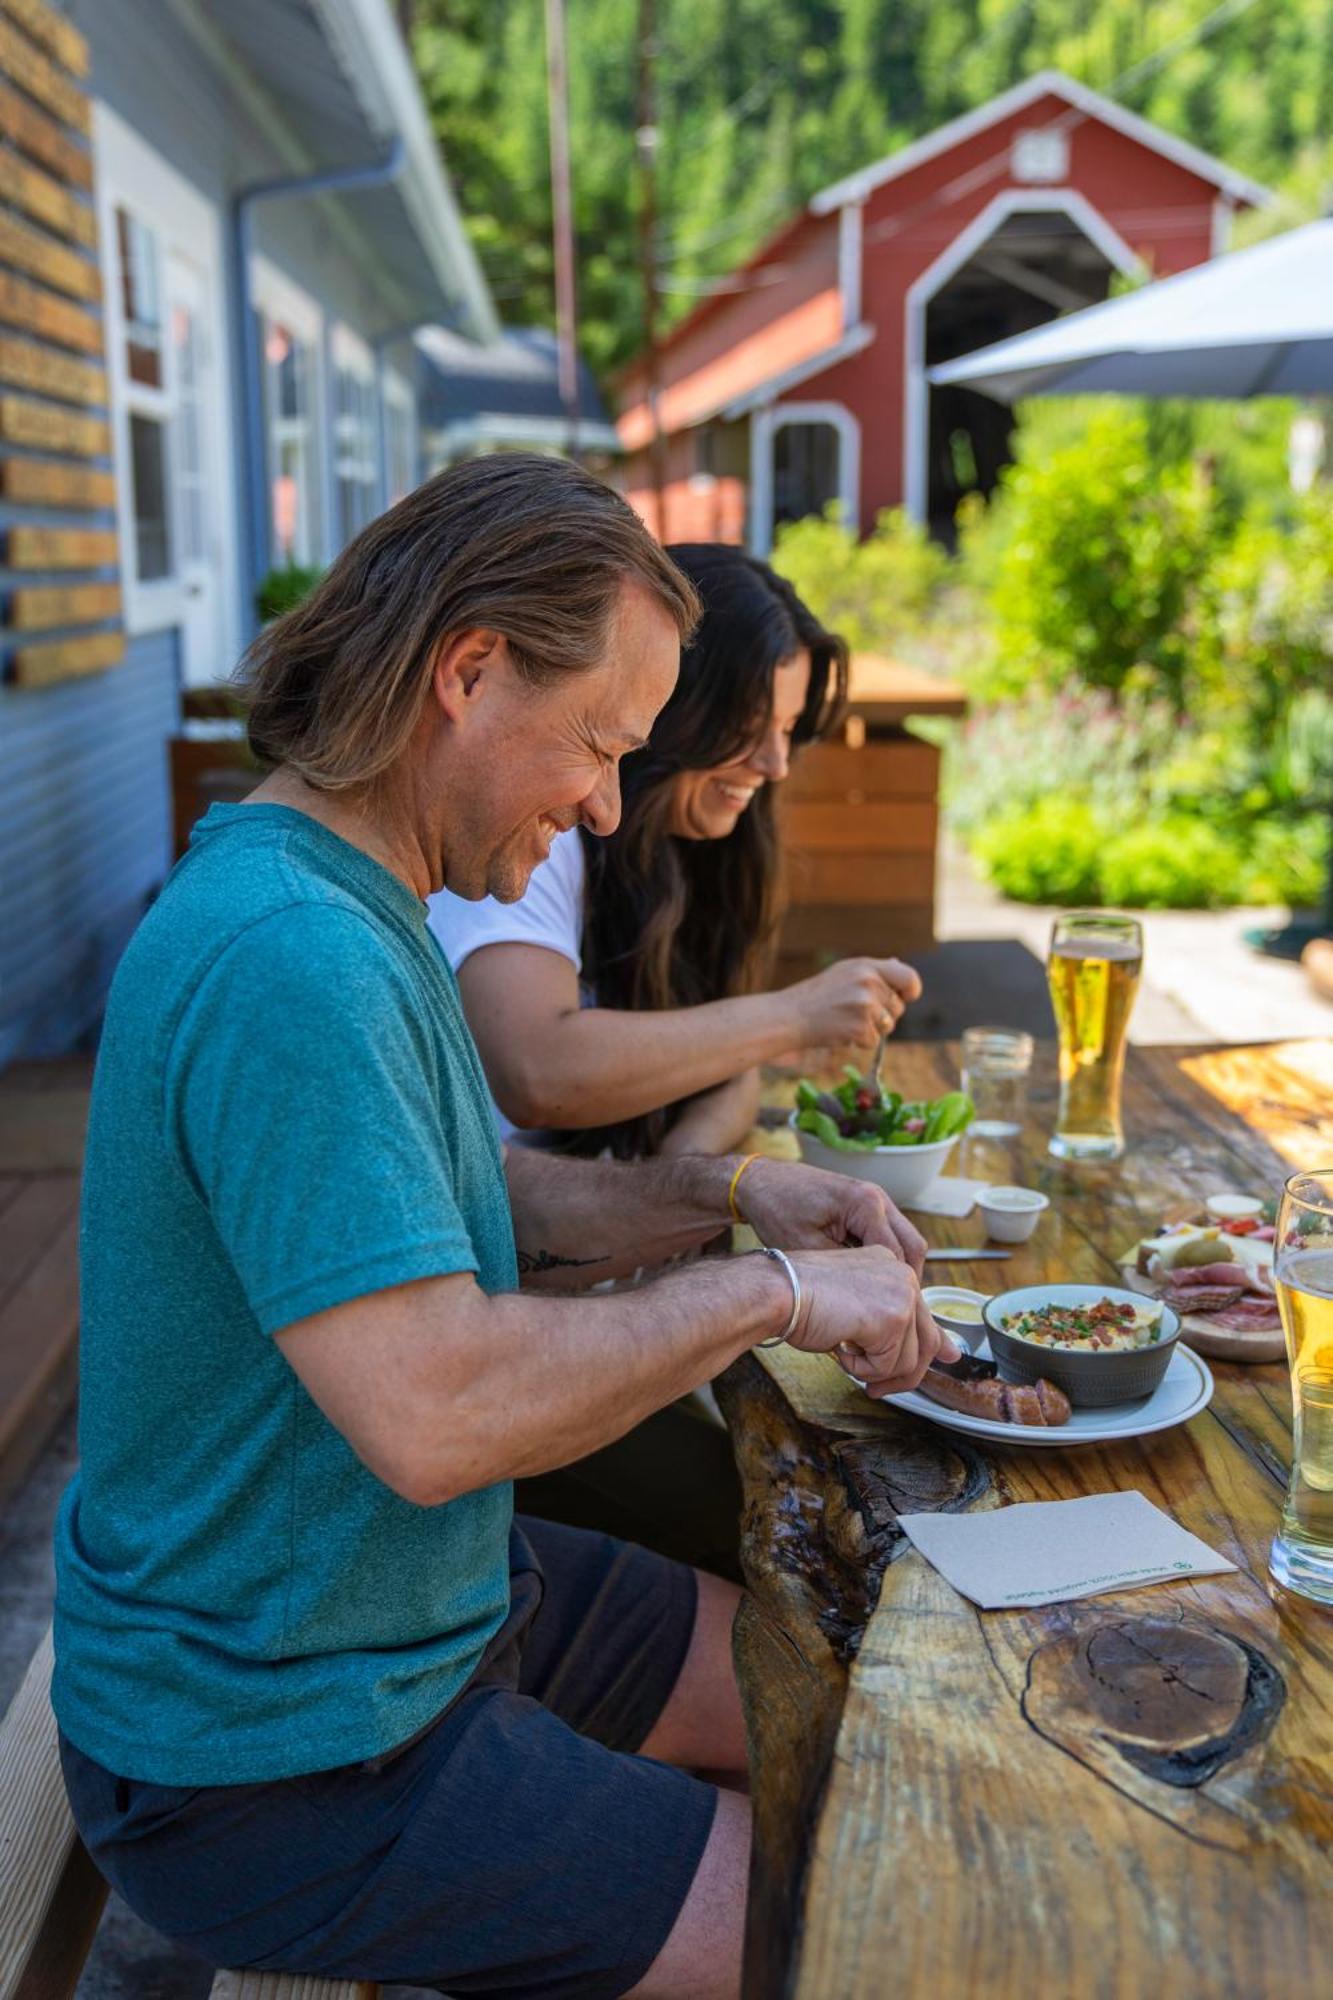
(57, 487)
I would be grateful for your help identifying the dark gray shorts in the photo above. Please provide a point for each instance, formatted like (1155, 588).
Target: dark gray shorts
(514, 1847)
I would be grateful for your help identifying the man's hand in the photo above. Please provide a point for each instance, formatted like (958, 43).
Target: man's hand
(804, 1208)
(865, 1307)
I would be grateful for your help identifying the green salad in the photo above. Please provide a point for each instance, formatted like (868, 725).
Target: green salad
(856, 1117)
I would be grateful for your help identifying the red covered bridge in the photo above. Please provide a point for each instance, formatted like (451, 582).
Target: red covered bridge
(802, 379)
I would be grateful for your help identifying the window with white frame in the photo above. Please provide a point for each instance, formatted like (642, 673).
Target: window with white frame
(148, 402)
(400, 436)
(355, 469)
(162, 249)
(289, 331)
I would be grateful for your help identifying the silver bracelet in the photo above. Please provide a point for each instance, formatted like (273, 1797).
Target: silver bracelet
(781, 1257)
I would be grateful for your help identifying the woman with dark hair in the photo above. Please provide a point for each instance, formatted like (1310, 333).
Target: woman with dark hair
(622, 1004)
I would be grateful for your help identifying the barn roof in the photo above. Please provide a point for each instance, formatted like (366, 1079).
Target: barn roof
(1046, 83)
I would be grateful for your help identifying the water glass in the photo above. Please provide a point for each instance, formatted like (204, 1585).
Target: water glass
(996, 1063)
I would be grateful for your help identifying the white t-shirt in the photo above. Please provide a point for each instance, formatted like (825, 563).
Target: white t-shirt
(548, 914)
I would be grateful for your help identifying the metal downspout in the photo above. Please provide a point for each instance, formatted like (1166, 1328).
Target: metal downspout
(333, 180)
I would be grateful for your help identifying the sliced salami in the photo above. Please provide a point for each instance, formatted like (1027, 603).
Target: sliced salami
(1249, 1316)
(1205, 1299)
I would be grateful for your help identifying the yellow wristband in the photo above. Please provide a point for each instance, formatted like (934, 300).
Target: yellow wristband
(748, 1161)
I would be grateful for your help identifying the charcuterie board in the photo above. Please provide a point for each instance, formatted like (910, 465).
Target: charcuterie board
(1203, 1333)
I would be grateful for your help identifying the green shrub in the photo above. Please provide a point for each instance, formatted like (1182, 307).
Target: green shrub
(283, 589)
(1101, 570)
(871, 590)
(1172, 864)
(1043, 853)
(1286, 861)
(1267, 638)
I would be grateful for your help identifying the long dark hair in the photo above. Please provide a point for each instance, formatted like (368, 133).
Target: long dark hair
(675, 923)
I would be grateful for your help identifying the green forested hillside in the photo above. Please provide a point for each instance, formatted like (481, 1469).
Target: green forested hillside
(763, 101)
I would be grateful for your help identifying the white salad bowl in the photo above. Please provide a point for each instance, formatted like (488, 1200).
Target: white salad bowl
(904, 1172)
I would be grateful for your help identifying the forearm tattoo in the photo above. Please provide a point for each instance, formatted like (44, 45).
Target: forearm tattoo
(535, 1263)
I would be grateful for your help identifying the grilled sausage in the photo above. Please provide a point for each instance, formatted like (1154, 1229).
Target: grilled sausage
(973, 1388)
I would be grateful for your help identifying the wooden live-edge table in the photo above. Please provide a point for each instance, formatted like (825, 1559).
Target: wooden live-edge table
(1125, 1796)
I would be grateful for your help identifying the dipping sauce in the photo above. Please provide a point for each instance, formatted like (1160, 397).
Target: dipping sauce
(1106, 1326)
(1015, 1198)
(962, 1306)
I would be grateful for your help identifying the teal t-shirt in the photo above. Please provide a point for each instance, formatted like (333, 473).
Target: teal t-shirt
(288, 1113)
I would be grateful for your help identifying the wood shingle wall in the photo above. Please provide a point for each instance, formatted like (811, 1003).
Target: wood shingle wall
(61, 601)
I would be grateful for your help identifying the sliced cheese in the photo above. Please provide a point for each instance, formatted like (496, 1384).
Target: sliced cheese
(1184, 1248)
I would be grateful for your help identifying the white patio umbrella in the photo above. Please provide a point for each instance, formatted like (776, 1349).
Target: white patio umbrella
(1257, 322)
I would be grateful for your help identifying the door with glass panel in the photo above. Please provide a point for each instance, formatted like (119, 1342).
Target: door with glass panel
(168, 384)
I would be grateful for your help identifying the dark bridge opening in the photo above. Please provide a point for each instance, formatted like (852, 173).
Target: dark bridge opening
(1036, 266)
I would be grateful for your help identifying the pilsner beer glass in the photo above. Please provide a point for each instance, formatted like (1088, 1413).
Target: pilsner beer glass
(1302, 1555)
(1093, 968)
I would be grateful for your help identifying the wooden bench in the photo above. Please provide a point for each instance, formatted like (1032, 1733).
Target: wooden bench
(51, 1895)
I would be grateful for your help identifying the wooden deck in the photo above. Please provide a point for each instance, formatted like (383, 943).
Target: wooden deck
(43, 1108)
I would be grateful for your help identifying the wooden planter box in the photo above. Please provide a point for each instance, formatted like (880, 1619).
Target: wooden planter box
(860, 820)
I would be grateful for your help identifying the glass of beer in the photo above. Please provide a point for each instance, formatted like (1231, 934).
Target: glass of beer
(1302, 1556)
(1093, 967)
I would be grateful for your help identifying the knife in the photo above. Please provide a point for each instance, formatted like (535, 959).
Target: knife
(959, 1256)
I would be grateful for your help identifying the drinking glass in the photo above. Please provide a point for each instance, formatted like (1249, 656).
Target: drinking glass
(1302, 1555)
(995, 1067)
(1094, 965)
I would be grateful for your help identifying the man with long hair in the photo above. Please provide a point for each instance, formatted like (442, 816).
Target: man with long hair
(323, 1705)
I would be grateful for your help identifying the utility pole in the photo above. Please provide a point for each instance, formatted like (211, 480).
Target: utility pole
(645, 137)
(562, 216)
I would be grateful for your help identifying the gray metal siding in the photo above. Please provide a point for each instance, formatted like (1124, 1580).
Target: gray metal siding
(84, 838)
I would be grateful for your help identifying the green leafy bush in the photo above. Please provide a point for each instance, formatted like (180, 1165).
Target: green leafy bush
(1170, 864)
(871, 590)
(283, 589)
(1268, 636)
(1286, 861)
(1043, 853)
(1101, 569)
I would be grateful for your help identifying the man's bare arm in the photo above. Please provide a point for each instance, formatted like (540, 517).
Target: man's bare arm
(577, 1222)
(441, 1389)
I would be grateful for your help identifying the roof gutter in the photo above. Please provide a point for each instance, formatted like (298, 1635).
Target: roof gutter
(333, 180)
(376, 63)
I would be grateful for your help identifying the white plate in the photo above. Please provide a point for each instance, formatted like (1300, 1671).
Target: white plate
(1184, 1390)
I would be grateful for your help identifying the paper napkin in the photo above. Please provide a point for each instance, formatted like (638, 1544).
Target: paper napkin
(1045, 1551)
(946, 1196)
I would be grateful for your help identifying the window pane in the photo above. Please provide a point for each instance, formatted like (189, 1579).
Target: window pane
(141, 299)
(356, 450)
(805, 469)
(289, 394)
(148, 475)
(402, 470)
